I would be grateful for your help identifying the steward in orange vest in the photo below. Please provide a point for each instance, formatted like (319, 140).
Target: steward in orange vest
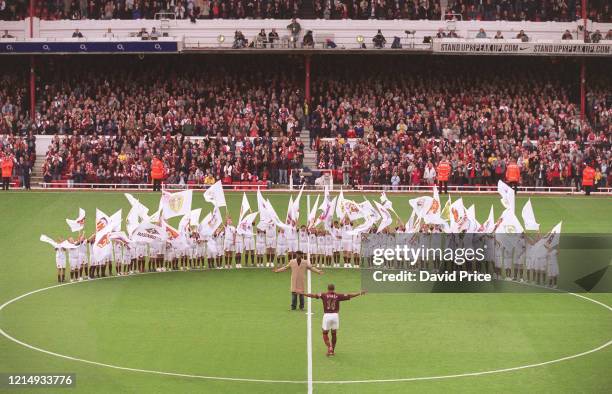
(443, 172)
(588, 179)
(7, 171)
(157, 173)
(513, 175)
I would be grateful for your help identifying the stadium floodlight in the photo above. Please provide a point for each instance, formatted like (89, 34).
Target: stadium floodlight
(220, 38)
(360, 39)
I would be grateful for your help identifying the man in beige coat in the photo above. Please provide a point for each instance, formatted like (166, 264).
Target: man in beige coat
(298, 267)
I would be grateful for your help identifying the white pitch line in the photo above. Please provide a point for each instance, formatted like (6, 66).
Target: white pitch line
(309, 336)
(310, 382)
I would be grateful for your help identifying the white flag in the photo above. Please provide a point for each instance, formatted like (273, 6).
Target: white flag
(194, 218)
(290, 217)
(385, 202)
(386, 219)
(148, 232)
(459, 220)
(115, 220)
(119, 236)
(264, 220)
(137, 206)
(77, 224)
(175, 204)
(184, 224)
(312, 215)
(245, 226)
(214, 195)
(62, 245)
(529, 217)
(102, 220)
(102, 247)
(156, 217)
(421, 205)
(363, 227)
(368, 210)
(244, 207)
(132, 220)
(340, 205)
(507, 195)
(508, 223)
(552, 238)
(327, 212)
(489, 225)
(473, 224)
(211, 223)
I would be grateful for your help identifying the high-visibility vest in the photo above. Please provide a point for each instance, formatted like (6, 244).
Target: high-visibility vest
(157, 169)
(513, 173)
(443, 171)
(588, 176)
(7, 167)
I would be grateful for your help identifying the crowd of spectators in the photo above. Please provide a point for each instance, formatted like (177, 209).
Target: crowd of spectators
(200, 96)
(489, 10)
(379, 122)
(394, 129)
(125, 158)
(250, 114)
(378, 9)
(145, 9)
(527, 10)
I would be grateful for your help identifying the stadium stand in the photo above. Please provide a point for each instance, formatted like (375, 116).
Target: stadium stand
(490, 10)
(478, 114)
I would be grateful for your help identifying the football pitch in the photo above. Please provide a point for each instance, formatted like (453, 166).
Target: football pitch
(229, 331)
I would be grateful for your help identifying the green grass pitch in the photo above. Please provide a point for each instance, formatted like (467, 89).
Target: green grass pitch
(237, 324)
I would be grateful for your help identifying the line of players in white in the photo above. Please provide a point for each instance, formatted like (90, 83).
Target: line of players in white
(528, 259)
(227, 247)
(518, 257)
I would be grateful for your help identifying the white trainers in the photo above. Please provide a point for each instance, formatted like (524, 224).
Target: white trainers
(238, 265)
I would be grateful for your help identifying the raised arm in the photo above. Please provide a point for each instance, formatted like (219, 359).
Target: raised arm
(281, 269)
(314, 269)
(353, 295)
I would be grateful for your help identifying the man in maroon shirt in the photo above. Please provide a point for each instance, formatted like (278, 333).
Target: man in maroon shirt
(331, 308)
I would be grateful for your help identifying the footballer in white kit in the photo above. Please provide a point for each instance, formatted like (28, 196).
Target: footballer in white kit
(229, 241)
(60, 263)
(260, 247)
(281, 247)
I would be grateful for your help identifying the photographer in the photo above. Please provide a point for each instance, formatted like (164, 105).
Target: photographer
(294, 28)
(379, 40)
(308, 41)
(272, 36)
(239, 40)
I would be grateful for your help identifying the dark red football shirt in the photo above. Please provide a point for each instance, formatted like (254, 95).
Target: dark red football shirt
(331, 301)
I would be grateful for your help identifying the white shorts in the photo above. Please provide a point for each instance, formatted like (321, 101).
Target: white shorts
(239, 247)
(60, 264)
(337, 245)
(270, 242)
(228, 246)
(211, 249)
(281, 248)
(292, 245)
(74, 263)
(347, 246)
(331, 321)
(552, 268)
(356, 248)
(248, 243)
(260, 248)
(508, 261)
